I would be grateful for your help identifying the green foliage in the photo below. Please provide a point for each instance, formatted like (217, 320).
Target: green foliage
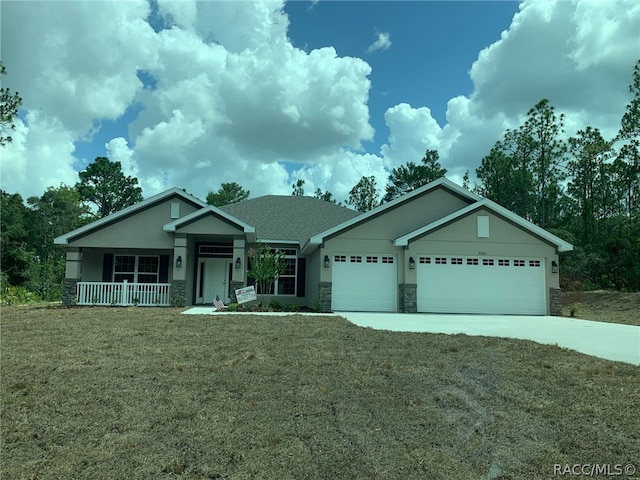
(298, 188)
(17, 296)
(104, 185)
(9, 104)
(265, 264)
(411, 176)
(364, 195)
(226, 194)
(327, 196)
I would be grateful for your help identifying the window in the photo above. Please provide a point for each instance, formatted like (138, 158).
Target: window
(372, 259)
(441, 261)
(355, 259)
(534, 263)
(136, 268)
(340, 258)
(472, 261)
(487, 262)
(518, 263)
(286, 282)
(387, 259)
(216, 250)
(425, 259)
(456, 261)
(503, 263)
(483, 226)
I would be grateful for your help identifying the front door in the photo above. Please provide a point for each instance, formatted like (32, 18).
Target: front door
(213, 279)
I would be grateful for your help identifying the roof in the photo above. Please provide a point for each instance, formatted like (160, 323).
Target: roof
(316, 240)
(287, 218)
(562, 246)
(172, 192)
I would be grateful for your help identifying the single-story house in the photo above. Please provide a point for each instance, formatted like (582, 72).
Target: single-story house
(439, 248)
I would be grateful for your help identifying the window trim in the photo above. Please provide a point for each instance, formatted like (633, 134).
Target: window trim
(136, 269)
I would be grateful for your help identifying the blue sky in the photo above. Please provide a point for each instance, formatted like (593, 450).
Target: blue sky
(193, 94)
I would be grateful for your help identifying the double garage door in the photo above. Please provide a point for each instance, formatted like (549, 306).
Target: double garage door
(450, 284)
(446, 284)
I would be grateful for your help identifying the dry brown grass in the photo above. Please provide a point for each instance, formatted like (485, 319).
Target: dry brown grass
(98, 393)
(603, 306)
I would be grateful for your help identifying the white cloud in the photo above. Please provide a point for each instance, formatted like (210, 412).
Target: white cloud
(383, 42)
(234, 100)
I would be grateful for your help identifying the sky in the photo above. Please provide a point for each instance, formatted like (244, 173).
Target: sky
(193, 94)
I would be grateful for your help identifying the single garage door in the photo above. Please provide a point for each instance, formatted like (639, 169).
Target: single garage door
(449, 284)
(364, 283)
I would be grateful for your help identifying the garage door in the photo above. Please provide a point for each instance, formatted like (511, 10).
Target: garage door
(448, 284)
(366, 283)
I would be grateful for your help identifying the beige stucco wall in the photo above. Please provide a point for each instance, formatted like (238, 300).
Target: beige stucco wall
(505, 240)
(209, 225)
(409, 216)
(314, 266)
(92, 260)
(144, 228)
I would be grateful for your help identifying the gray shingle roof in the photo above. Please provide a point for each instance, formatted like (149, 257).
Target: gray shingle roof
(289, 217)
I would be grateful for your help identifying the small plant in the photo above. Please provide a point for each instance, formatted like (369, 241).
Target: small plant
(275, 305)
(233, 307)
(292, 307)
(136, 301)
(95, 299)
(573, 309)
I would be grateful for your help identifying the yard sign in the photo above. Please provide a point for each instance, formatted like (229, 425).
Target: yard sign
(246, 294)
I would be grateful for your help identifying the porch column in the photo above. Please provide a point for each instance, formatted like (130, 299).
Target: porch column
(238, 277)
(179, 273)
(72, 275)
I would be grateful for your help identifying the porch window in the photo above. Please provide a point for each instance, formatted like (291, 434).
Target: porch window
(136, 268)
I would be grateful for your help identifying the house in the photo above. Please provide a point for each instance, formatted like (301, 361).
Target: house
(439, 248)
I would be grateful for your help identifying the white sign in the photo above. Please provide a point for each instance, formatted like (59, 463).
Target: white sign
(246, 294)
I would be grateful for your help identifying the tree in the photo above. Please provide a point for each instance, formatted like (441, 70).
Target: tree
(9, 103)
(327, 196)
(226, 194)
(542, 132)
(411, 176)
(14, 238)
(364, 195)
(630, 124)
(590, 187)
(104, 185)
(57, 211)
(298, 188)
(265, 264)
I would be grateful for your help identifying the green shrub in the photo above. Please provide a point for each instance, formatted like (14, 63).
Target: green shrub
(292, 307)
(18, 296)
(573, 309)
(274, 305)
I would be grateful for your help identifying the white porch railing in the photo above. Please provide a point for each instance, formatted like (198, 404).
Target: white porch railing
(123, 293)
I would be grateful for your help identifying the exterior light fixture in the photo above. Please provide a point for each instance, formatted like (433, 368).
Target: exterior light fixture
(179, 262)
(554, 267)
(412, 263)
(327, 262)
(238, 263)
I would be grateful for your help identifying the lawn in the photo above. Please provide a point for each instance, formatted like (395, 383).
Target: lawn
(147, 393)
(603, 306)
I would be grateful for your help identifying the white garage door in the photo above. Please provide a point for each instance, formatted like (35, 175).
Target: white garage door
(448, 284)
(365, 282)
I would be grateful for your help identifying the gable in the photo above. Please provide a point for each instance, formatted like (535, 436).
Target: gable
(407, 216)
(140, 227)
(492, 228)
(209, 224)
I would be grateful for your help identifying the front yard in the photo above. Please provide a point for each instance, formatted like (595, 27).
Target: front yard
(112, 393)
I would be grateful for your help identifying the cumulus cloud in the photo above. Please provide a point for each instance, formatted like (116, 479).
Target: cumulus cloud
(231, 99)
(383, 42)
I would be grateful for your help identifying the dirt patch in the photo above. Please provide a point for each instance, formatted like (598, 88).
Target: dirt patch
(603, 306)
(106, 393)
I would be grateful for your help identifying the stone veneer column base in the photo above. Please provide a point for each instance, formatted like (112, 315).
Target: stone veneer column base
(555, 302)
(69, 291)
(178, 293)
(407, 294)
(324, 296)
(233, 286)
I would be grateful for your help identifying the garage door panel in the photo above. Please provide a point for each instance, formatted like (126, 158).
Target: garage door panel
(364, 283)
(481, 285)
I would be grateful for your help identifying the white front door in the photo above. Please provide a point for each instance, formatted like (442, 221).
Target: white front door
(213, 279)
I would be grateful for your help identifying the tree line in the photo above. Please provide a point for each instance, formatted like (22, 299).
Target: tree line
(585, 189)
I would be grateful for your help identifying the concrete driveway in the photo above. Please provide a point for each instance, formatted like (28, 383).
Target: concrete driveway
(605, 340)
